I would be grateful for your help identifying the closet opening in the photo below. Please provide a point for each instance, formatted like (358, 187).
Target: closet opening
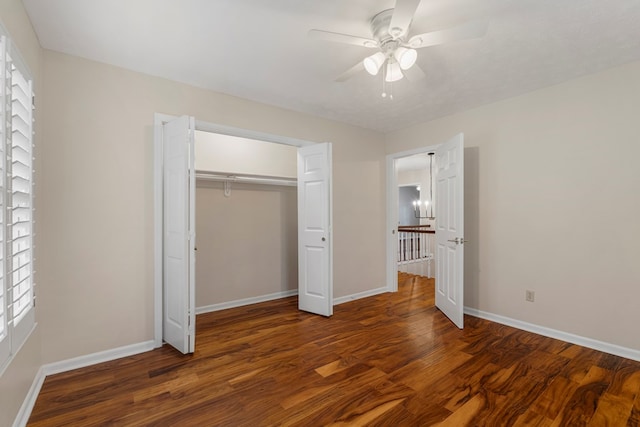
(228, 214)
(246, 221)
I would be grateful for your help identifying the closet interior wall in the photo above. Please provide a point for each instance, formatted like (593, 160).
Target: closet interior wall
(247, 225)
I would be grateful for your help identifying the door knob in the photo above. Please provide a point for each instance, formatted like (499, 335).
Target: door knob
(458, 240)
(323, 239)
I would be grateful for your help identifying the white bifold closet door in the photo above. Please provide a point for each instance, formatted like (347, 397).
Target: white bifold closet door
(315, 276)
(179, 234)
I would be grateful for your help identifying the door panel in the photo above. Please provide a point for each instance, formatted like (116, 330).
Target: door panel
(315, 281)
(178, 236)
(450, 229)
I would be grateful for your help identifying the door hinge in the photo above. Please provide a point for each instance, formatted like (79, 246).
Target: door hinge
(190, 326)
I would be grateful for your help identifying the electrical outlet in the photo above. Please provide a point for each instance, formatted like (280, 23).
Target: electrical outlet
(530, 296)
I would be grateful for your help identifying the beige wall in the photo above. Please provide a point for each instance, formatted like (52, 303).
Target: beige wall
(19, 375)
(247, 243)
(98, 189)
(551, 204)
(411, 177)
(230, 154)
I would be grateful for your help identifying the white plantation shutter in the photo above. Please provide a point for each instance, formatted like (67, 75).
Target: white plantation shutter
(5, 339)
(17, 299)
(21, 196)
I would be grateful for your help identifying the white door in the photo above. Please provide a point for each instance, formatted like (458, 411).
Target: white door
(315, 272)
(450, 229)
(179, 234)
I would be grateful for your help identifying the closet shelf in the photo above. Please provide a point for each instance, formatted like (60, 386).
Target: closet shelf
(246, 178)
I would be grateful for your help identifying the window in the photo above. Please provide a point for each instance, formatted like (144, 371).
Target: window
(5, 341)
(17, 298)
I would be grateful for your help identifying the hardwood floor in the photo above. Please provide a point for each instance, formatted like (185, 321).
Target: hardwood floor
(387, 360)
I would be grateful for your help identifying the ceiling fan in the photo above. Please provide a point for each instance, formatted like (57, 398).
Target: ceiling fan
(396, 49)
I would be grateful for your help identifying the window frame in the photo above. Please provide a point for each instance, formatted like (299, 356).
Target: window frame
(17, 225)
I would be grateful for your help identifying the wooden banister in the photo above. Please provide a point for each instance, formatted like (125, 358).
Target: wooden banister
(423, 229)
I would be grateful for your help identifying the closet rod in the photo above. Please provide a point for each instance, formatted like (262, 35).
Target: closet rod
(246, 178)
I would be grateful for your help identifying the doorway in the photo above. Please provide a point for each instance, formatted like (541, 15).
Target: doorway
(416, 216)
(413, 163)
(449, 224)
(314, 223)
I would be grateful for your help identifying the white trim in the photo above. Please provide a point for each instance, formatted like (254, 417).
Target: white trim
(70, 364)
(331, 236)
(605, 347)
(30, 400)
(7, 362)
(17, 59)
(158, 119)
(360, 295)
(251, 134)
(392, 225)
(392, 213)
(245, 301)
(99, 357)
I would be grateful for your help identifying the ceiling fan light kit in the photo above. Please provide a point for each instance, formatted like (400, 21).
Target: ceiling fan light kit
(394, 72)
(397, 51)
(405, 57)
(374, 62)
(400, 57)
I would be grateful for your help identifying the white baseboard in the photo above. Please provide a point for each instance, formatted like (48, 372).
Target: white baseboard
(94, 358)
(245, 301)
(284, 294)
(605, 347)
(70, 364)
(30, 400)
(353, 297)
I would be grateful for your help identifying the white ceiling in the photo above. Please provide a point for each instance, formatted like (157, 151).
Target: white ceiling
(259, 50)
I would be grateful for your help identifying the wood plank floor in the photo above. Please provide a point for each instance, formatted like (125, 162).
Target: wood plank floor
(387, 360)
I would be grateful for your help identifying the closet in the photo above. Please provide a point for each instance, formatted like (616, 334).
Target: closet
(246, 221)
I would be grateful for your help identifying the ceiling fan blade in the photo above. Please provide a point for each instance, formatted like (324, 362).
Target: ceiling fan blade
(342, 38)
(414, 73)
(351, 72)
(402, 17)
(469, 30)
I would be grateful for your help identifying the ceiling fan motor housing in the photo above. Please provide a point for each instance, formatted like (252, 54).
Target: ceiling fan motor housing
(380, 26)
